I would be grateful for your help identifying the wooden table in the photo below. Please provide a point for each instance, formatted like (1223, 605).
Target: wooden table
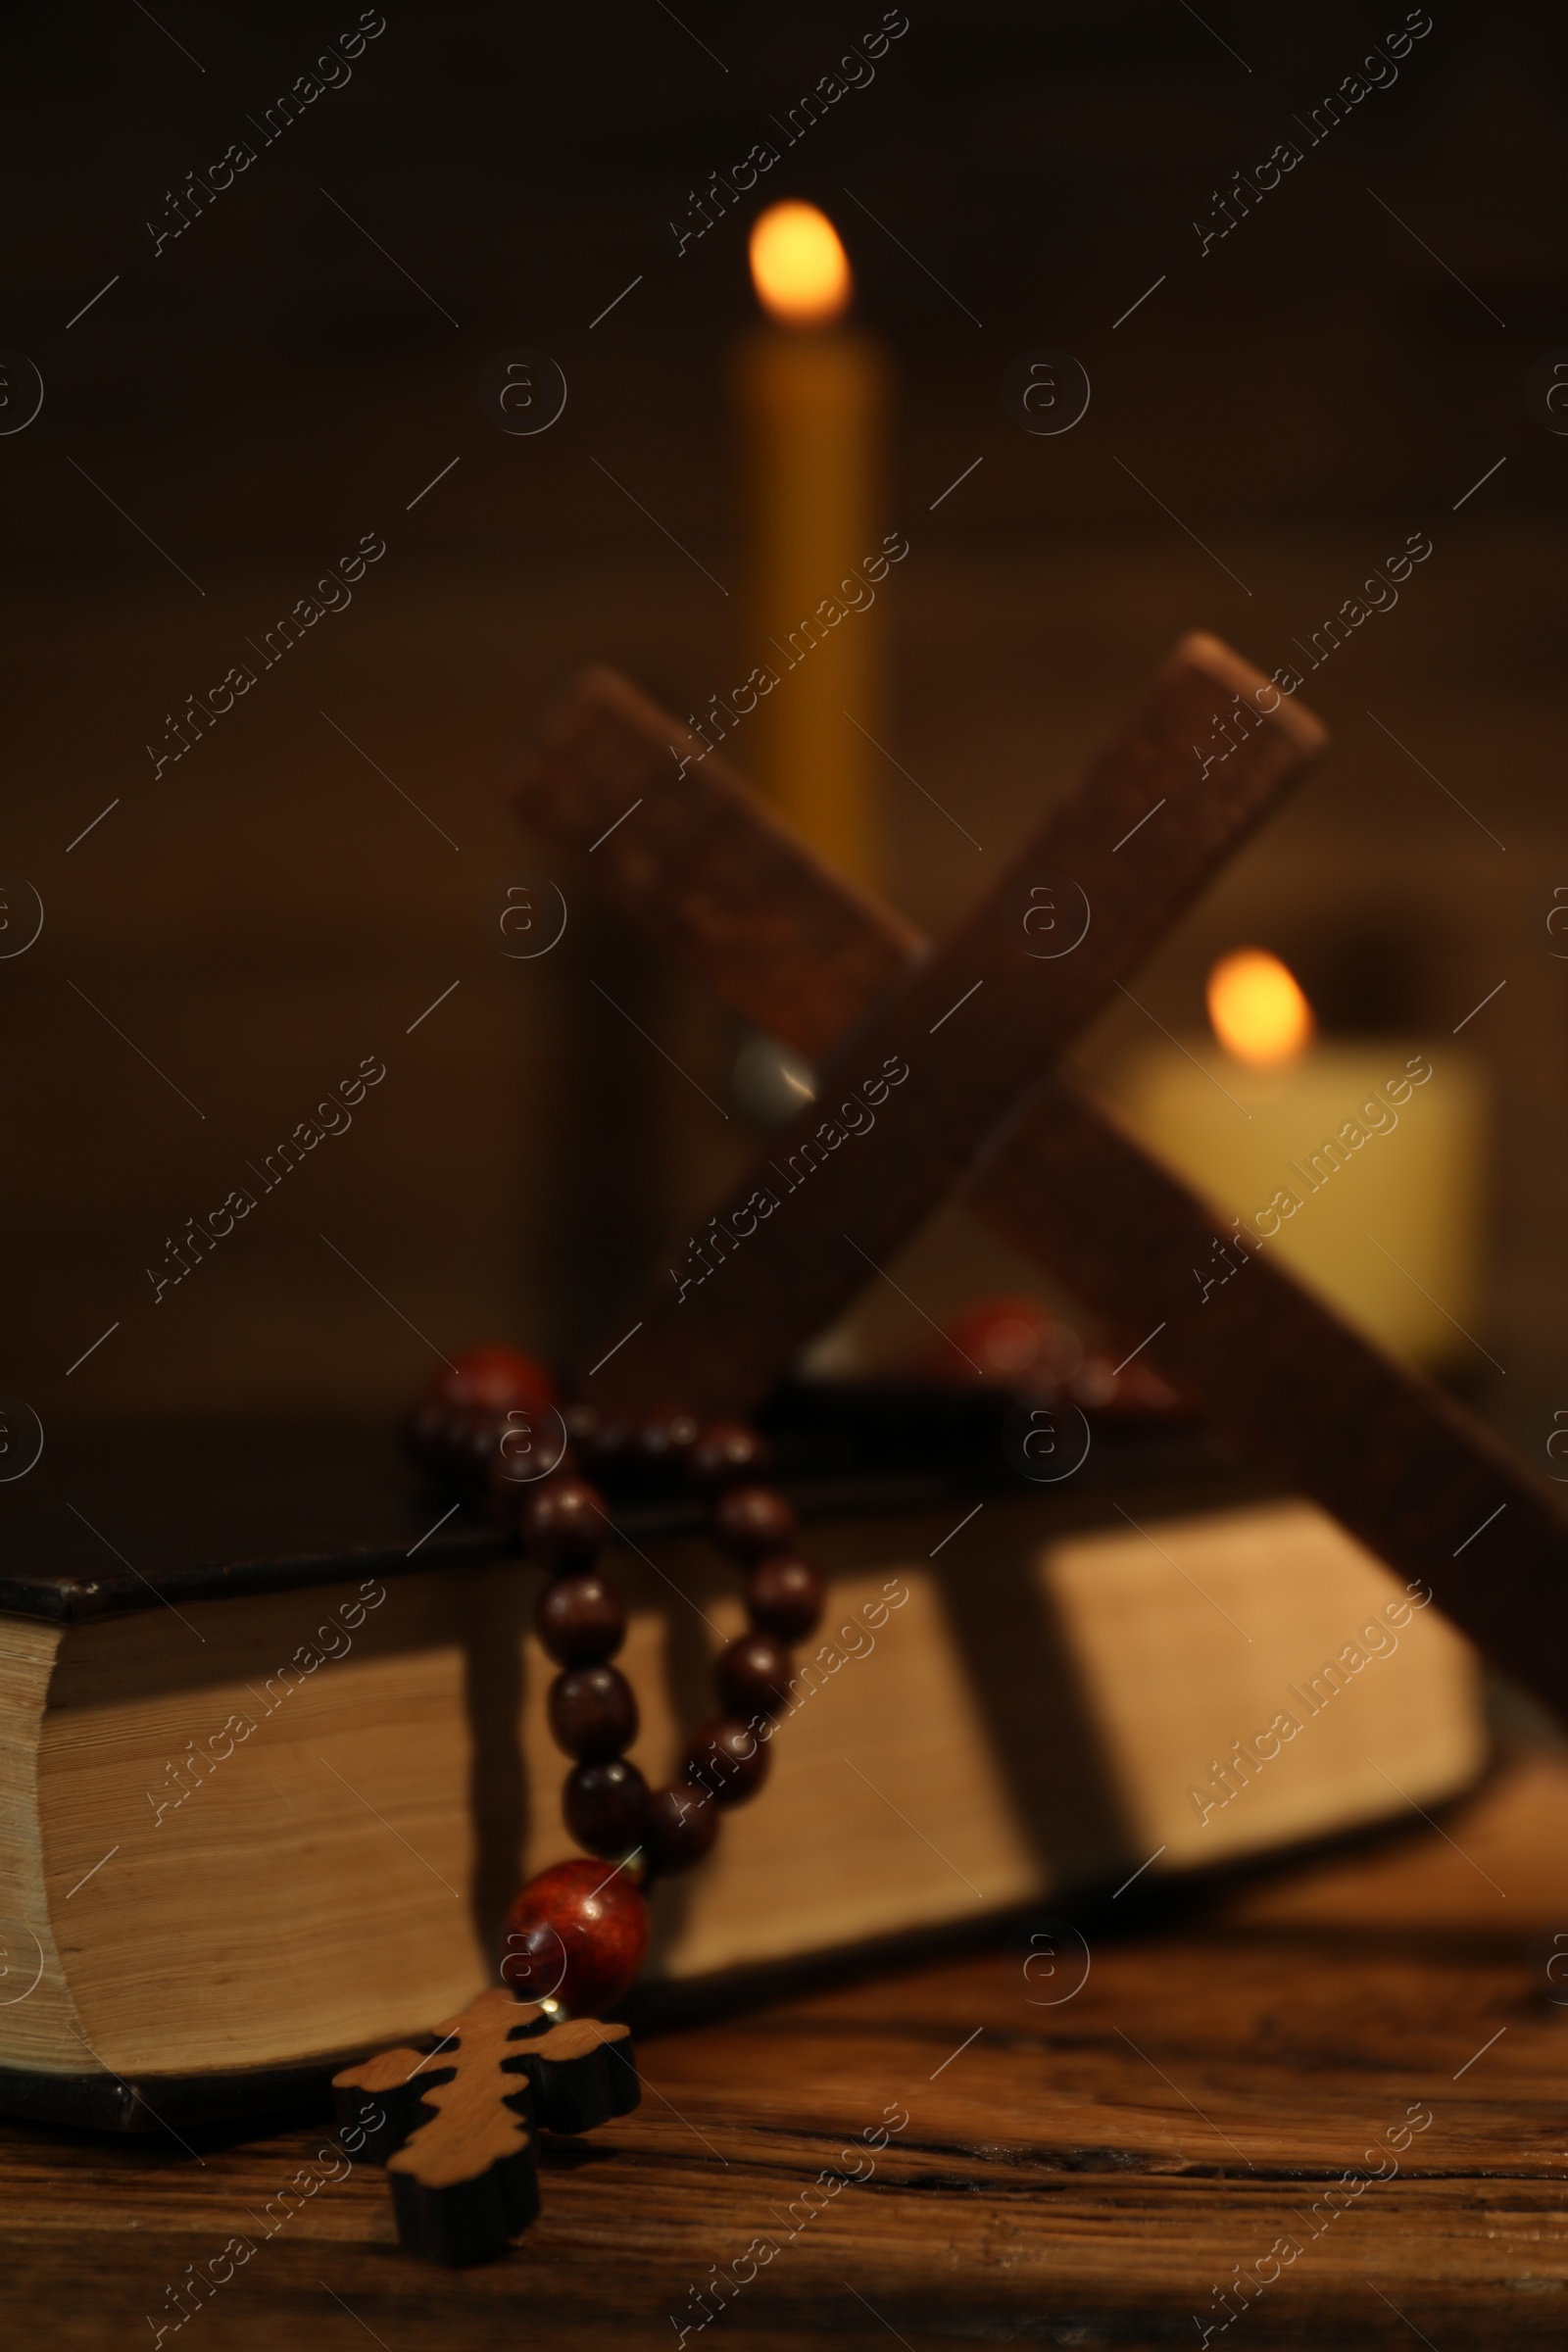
(1086, 2173)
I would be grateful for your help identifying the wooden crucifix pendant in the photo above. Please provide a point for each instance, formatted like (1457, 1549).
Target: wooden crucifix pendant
(456, 2127)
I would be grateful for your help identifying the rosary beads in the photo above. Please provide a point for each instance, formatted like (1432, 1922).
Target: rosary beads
(576, 1936)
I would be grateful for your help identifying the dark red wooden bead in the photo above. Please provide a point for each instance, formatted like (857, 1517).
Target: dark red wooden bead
(495, 1376)
(593, 1712)
(564, 1523)
(581, 1619)
(603, 1805)
(785, 1596)
(664, 1441)
(606, 1445)
(529, 1447)
(578, 1934)
(727, 1453)
(728, 1759)
(753, 1675)
(680, 1826)
(472, 1444)
(753, 1521)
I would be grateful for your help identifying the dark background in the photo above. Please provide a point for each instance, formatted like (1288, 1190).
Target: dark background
(272, 385)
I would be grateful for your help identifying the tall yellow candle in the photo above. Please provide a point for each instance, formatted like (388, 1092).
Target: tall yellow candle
(1358, 1160)
(812, 395)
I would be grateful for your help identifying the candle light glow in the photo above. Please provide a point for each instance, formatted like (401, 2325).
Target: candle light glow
(799, 268)
(1353, 1158)
(1258, 1012)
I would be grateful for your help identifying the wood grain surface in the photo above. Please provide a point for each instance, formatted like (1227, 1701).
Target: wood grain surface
(1084, 2173)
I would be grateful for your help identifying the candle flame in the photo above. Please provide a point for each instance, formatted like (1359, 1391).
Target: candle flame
(799, 268)
(1259, 1013)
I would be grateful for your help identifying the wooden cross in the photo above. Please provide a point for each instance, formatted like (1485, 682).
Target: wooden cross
(949, 1051)
(705, 869)
(457, 2133)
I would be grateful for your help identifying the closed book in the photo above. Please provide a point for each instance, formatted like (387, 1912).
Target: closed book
(273, 1747)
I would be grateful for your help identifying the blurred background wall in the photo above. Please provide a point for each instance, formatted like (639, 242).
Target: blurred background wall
(299, 367)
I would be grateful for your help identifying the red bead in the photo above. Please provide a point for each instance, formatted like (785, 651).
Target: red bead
(473, 1441)
(753, 1675)
(753, 1521)
(784, 1596)
(577, 1933)
(564, 1523)
(606, 1445)
(495, 1376)
(529, 1447)
(1013, 1340)
(728, 1452)
(603, 1805)
(593, 1712)
(581, 1619)
(680, 1826)
(665, 1440)
(728, 1759)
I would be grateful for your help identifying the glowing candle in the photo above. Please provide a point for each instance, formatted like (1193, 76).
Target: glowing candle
(811, 395)
(1359, 1161)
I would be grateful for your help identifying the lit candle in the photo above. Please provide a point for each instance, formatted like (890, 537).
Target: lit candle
(811, 395)
(1357, 1162)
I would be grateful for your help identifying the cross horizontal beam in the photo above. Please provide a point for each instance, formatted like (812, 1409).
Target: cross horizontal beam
(962, 1036)
(712, 874)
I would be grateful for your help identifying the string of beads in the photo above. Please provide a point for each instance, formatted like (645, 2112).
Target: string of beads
(581, 1620)
(577, 1933)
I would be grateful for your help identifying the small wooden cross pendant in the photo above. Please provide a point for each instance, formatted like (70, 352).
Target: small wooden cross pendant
(456, 2127)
